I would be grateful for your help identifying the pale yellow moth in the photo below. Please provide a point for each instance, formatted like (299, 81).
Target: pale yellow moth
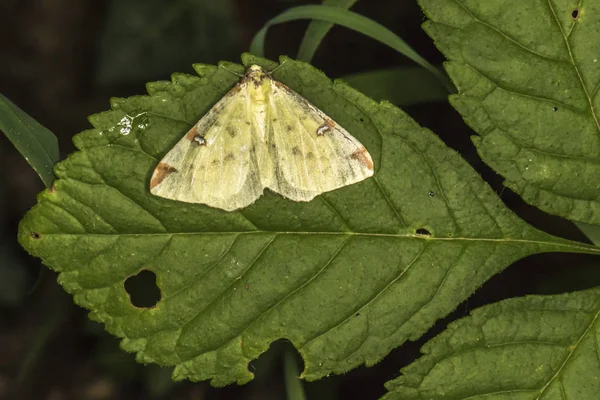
(261, 134)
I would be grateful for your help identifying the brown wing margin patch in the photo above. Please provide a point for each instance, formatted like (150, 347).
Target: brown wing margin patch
(326, 127)
(362, 156)
(160, 173)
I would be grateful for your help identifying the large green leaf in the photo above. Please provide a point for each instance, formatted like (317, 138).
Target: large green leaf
(535, 347)
(346, 277)
(528, 74)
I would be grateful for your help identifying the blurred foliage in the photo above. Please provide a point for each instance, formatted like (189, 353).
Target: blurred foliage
(145, 39)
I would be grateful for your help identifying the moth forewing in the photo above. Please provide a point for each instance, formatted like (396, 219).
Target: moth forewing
(261, 134)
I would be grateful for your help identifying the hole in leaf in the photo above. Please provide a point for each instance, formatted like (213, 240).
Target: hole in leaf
(275, 355)
(555, 108)
(431, 194)
(575, 14)
(423, 231)
(35, 235)
(361, 120)
(142, 289)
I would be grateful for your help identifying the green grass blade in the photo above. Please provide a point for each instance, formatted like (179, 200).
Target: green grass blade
(403, 86)
(317, 30)
(36, 143)
(293, 385)
(353, 21)
(591, 231)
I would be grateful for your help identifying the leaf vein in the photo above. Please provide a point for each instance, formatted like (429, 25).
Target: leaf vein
(568, 356)
(220, 295)
(369, 301)
(570, 51)
(335, 211)
(193, 279)
(289, 295)
(505, 35)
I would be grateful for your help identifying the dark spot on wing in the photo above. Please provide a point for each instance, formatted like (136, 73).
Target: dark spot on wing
(247, 122)
(296, 150)
(289, 128)
(310, 155)
(160, 173)
(229, 157)
(327, 126)
(215, 162)
(231, 131)
(199, 140)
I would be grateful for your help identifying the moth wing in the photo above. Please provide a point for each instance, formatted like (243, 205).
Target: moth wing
(215, 163)
(311, 153)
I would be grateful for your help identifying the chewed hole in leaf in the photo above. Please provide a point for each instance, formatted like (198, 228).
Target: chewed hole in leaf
(142, 289)
(555, 108)
(35, 235)
(423, 231)
(361, 119)
(575, 14)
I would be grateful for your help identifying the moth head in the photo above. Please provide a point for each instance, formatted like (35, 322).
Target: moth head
(256, 74)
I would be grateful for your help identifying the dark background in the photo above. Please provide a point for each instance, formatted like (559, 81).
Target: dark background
(61, 60)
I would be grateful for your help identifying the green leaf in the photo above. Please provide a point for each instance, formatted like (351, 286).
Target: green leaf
(345, 278)
(317, 30)
(535, 347)
(528, 76)
(352, 21)
(36, 143)
(402, 86)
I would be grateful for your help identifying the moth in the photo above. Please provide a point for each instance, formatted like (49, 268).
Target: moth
(261, 134)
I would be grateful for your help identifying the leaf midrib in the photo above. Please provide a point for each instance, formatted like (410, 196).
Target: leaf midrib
(571, 246)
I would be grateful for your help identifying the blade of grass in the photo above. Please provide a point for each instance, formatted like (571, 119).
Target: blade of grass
(352, 21)
(293, 385)
(317, 30)
(403, 86)
(36, 143)
(591, 231)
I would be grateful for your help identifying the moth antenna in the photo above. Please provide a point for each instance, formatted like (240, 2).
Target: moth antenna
(230, 71)
(277, 67)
